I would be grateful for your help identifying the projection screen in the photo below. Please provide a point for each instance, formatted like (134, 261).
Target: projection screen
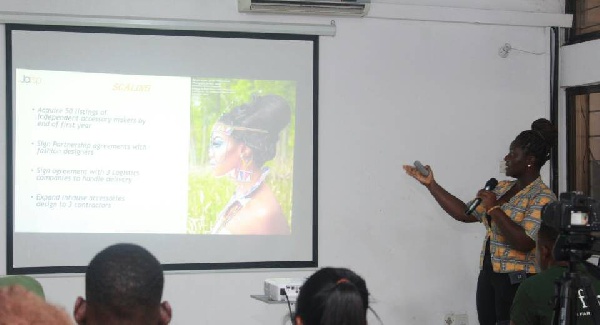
(199, 146)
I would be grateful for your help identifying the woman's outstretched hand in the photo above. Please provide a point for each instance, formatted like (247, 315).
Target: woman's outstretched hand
(412, 171)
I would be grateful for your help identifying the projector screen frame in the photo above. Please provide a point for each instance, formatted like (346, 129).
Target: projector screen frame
(59, 269)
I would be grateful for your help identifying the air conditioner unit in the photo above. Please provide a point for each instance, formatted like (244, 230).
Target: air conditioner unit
(306, 7)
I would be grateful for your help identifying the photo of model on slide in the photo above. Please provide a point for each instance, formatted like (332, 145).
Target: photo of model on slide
(242, 139)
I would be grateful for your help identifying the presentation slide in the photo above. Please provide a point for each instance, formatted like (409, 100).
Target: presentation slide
(96, 157)
(204, 141)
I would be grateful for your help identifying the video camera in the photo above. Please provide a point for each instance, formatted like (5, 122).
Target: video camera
(576, 218)
(573, 212)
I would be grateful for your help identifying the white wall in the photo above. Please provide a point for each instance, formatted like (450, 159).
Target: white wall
(579, 64)
(391, 91)
(548, 6)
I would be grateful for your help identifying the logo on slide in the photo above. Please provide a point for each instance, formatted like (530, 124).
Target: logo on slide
(31, 80)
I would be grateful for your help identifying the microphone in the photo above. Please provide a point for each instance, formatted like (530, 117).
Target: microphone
(489, 185)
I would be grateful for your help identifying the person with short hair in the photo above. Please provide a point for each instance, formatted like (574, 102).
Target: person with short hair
(123, 285)
(534, 300)
(332, 296)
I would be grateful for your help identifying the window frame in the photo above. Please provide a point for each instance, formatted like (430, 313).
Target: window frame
(571, 38)
(571, 94)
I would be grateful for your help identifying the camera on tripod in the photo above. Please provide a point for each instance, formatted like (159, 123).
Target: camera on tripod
(576, 222)
(576, 218)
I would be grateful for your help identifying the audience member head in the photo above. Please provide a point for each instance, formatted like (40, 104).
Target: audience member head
(123, 285)
(545, 246)
(25, 281)
(23, 307)
(333, 296)
(538, 141)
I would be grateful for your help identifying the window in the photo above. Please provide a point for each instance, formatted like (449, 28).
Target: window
(583, 139)
(586, 20)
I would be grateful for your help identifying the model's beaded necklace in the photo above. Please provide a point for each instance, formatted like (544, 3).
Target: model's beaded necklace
(236, 203)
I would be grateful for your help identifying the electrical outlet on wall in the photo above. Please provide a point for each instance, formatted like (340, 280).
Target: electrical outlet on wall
(456, 319)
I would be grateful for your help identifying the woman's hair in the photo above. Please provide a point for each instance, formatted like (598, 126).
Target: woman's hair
(333, 296)
(538, 141)
(257, 124)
